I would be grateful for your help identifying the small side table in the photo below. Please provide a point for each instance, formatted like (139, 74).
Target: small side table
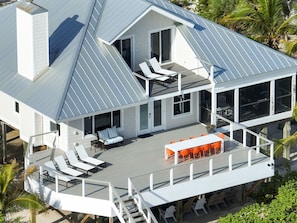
(94, 144)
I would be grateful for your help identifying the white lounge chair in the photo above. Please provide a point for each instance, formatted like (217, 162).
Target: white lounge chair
(158, 69)
(63, 167)
(149, 74)
(73, 161)
(83, 156)
(52, 170)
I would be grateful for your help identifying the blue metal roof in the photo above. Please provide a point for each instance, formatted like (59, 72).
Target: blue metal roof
(84, 77)
(233, 55)
(87, 76)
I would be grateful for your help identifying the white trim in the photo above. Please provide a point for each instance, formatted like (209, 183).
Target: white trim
(165, 13)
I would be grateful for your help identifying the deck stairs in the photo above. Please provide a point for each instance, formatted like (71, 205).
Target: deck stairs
(133, 211)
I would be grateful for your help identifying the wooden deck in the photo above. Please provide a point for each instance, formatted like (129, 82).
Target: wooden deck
(139, 157)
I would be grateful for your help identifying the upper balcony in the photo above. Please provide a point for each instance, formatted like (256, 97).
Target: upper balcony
(185, 78)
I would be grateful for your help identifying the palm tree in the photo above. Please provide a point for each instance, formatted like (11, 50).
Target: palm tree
(258, 19)
(12, 196)
(215, 10)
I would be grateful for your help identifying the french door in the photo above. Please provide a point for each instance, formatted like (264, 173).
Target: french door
(150, 117)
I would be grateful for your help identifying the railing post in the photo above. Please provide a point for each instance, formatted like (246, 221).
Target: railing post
(191, 171)
(231, 131)
(258, 144)
(210, 167)
(171, 177)
(244, 137)
(271, 151)
(57, 183)
(179, 82)
(147, 87)
(249, 157)
(151, 182)
(83, 188)
(230, 162)
(129, 187)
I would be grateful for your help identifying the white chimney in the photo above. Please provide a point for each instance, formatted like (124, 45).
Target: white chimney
(32, 40)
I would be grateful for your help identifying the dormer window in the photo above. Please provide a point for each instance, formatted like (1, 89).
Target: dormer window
(161, 45)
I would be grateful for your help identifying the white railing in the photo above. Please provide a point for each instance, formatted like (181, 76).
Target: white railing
(146, 212)
(120, 209)
(116, 202)
(231, 127)
(179, 78)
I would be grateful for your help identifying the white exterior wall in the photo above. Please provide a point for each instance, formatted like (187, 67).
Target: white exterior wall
(7, 111)
(182, 119)
(27, 122)
(185, 56)
(152, 22)
(129, 123)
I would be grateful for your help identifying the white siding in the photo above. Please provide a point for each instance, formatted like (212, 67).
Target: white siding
(183, 119)
(152, 21)
(7, 111)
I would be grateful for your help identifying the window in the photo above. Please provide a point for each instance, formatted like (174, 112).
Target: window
(96, 123)
(17, 107)
(161, 45)
(283, 95)
(254, 101)
(124, 46)
(54, 126)
(181, 104)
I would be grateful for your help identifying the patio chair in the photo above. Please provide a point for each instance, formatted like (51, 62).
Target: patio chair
(73, 160)
(149, 74)
(199, 205)
(63, 167)
(168, 213)
(83, 156)
(52, 170)
(159, 70)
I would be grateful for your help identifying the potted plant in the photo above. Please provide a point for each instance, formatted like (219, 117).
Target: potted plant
(210, 128)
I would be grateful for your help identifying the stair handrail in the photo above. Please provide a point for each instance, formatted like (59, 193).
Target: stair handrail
(119, 212)
(150, 217)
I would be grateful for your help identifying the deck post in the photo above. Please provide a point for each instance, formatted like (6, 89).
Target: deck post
(151, 181)
(249, 157)
(171, 177)
(210, 167)
(230, 162)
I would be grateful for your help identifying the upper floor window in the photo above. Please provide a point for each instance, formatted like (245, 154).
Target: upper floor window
(54, 126)
(283, 95)
(96, 123)
(182, 104)
(124, 46)
(254, 101)
(161, 45)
